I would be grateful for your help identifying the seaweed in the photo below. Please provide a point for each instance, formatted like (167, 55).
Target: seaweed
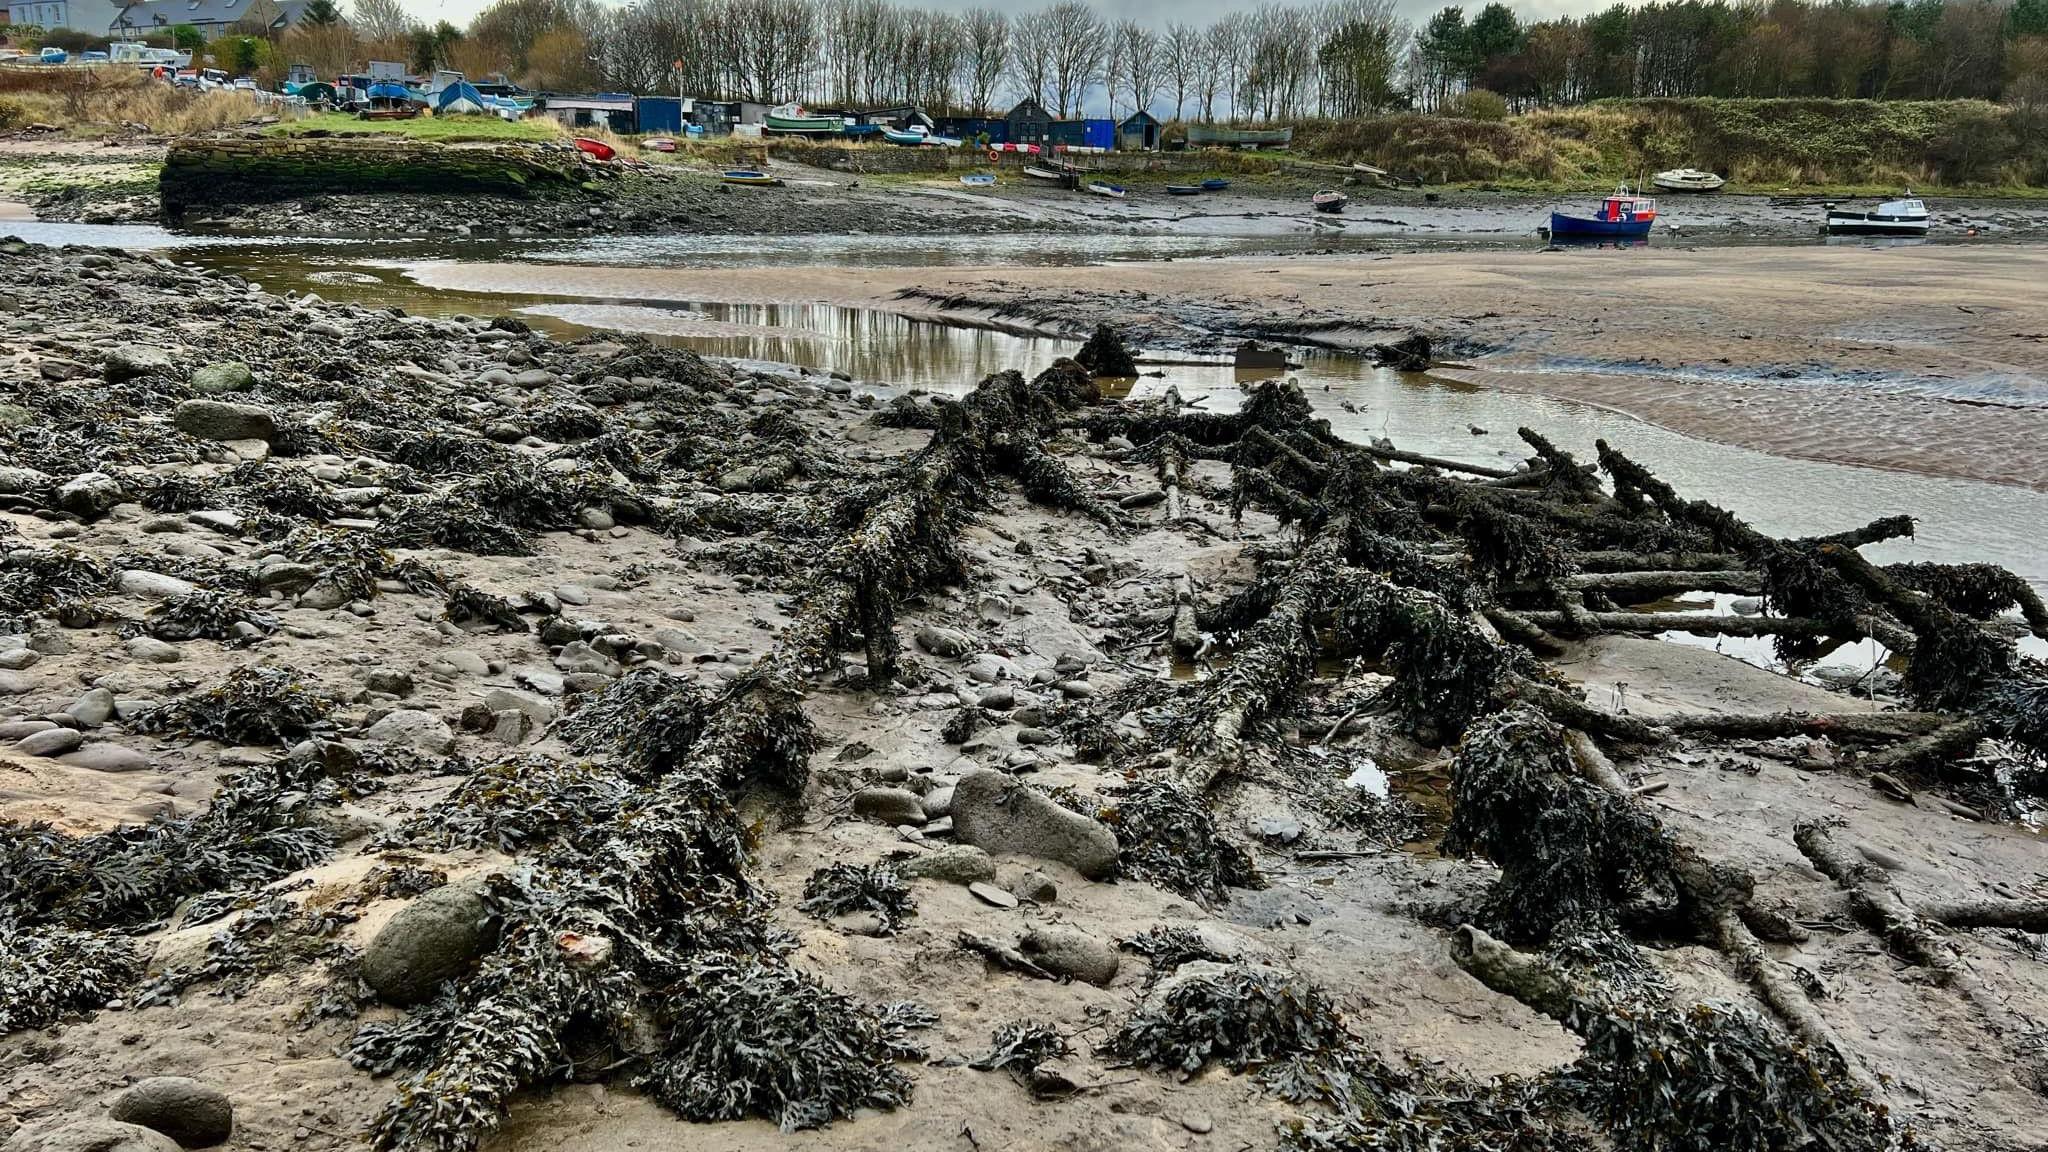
(1570, 854)
(1168, 946)
(1240, 1015)
(755, 1038)
(521, 802)
(48, 975)
(256, 704)
(1021, 1046)
(839, 889)
(469, 604)
(1166, 835)
(210, 615)
(648, 718)
(274, 936)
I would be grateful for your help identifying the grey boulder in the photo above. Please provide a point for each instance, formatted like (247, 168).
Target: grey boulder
(90, 494)
(410, 726)
(954, 864)
(92, 1136)
(220, 420)
(889, 805)
(1070, 952)
(195, 1115)
(435, 938)
(132, 360)
(230, 376)
(994, 812)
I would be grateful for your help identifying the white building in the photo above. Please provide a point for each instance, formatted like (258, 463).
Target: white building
(78, 15)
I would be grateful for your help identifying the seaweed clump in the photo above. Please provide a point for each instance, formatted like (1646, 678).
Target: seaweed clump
(1241, 1015)
(1570, 854)
(839, 889)
(520, 802)
(257, 704)
(48, 975)
(764, 1039)
(1021, 1046)
(1166, 835)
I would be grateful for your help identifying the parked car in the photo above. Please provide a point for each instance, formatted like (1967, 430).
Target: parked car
(244, 84)
(92, 57)
(212, 78)
(53, 56)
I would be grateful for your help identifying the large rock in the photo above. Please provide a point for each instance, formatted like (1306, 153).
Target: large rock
(946, 642)
(214, 379)
(52, 742)
(1070, 952)
(955, 864)
(93, 709)
(195, 1115)
(503, 699)
(422, 730)
(91, 1136)
(889, 805)
(107, 758)
(994, 812)
(21, 481)
(152, 585)
(90, 494)
(220, 420)
(132, 360)
(435, 938)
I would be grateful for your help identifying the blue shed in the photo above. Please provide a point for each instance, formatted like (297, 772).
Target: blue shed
(1099, 133)
(660, 114)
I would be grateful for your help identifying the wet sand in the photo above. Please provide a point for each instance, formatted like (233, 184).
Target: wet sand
(1930, 359)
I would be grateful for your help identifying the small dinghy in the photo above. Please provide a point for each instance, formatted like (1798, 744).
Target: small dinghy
(595, 149)
(1622, 214)
(979, 180)
(1214, 184)
(1903, 217)
(1183, 189)
(750, 176)
(1329, 200)
(1687, 180)
(658, 144)
(1113, 191)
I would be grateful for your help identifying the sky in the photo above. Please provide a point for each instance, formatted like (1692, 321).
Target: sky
(1156, 12)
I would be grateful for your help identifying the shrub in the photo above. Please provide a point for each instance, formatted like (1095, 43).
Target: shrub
(1478, 104)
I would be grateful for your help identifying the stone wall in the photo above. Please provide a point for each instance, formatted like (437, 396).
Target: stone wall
(199, 174)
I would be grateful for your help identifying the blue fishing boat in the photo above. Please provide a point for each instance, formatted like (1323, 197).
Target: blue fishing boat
(750, 176)
(1622, 214)
(978, 180)
(1214, 185)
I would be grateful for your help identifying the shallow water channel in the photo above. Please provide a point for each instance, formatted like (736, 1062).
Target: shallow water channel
(1960, 520)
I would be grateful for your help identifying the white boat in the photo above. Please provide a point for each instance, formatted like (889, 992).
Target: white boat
(1906, 216)
(1113, 191)
(1687, 180)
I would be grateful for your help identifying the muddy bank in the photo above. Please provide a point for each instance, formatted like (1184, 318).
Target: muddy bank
(1929, 360)
(675, 718)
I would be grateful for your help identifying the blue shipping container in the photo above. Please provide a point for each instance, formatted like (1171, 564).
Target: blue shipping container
(659, 114)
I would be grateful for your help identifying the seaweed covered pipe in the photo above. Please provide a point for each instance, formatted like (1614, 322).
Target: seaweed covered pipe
(651, 916)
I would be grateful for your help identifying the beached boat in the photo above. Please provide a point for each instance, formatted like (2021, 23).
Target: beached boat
(658, 144)
(1622, 214)
(1039, 172)
(1113, 191)
(1213, 184)
(1329, 200)
(402, 112)
(978, 180)
(750, 176)
(1903, 217)
(1201, 135)
(460, 99)
(917, 136)
(1687, 180)
(595, 149)
(792, 120)
(1183, 189)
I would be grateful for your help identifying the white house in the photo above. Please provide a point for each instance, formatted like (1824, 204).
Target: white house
(78, 15)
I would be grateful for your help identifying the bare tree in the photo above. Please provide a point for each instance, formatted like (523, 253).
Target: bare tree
(985, 57)
(1229, 50)
(1181, 50)
(380, 19)
(1033, 48)
(1077, 53)
(1135, 49)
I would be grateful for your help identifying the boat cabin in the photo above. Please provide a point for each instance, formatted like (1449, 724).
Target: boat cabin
(1628, 208)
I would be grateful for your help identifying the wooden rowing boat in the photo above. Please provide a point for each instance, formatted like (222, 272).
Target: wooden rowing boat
(750, 176)
(1329, 200)
(1113, 191)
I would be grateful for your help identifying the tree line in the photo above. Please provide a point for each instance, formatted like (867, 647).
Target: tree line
(1325, 59)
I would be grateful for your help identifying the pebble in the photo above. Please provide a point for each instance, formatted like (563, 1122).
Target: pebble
(90, 495)
(410, 726)
(1198, 1123)
(17, 659)
(954, 864)
(434, 938)
(16, 683)
(91, 1136)
(1034, 886)
(152, 585)
(12, 730)
(994, 812)
(1072, 953)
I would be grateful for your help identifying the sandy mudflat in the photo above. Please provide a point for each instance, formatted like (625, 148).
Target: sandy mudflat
(1927, 359)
